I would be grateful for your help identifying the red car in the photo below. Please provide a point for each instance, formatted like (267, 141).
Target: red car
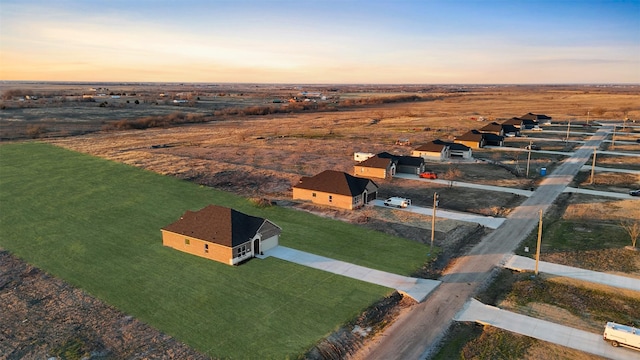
(428, 175)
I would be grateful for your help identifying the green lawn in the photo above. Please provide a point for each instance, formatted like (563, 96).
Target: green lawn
(96, 224)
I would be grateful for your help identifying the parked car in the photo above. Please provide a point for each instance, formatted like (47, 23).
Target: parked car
(537, 128)
(428, 175)
(532, 147)
(397, 202)
(634, 192)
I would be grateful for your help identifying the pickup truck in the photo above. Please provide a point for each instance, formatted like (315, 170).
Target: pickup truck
(622, 335)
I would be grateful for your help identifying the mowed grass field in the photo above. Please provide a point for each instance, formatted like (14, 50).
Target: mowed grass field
(96, 224)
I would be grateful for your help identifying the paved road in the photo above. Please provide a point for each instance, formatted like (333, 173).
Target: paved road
(543, 330)
(414, 334)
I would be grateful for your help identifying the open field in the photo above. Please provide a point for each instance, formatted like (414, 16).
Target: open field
(96, 224)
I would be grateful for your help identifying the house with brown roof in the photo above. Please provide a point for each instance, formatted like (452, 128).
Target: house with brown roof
(473, 139)
(405, 164)
(337, 189)
(452, 150)
(537, 118)
(375, 167)
(221, 234)
(514, 121)
(493, 128)
(433, 150)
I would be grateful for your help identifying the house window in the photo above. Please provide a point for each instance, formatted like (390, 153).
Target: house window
(206, 248)
(330, 198)
(313, 194)
(186, 241)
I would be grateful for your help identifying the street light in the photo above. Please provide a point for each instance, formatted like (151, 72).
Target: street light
(529, 157)
(539, 240)
(433, 220)
(593, 166)
(568, 127)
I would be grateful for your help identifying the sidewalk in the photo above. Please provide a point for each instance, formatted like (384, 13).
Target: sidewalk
(521, 263)
(418, 289)
(543, 330)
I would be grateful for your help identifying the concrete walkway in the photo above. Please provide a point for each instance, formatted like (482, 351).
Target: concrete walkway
(543, 330)
(521, 263)
(416, 288)
(488, 221)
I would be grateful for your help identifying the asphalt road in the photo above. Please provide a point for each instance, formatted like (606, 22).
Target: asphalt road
(415, 334)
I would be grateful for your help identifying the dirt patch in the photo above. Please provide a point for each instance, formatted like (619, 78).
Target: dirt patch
(348, 339)
(45, 317)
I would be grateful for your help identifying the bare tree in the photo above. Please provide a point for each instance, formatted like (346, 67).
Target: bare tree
(451, 174)
(633, 230)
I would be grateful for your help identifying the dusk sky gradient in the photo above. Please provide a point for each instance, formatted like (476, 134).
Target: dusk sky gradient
(322, 41)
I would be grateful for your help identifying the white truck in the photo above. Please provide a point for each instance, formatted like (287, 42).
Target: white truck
(622, 335)
(397, 202)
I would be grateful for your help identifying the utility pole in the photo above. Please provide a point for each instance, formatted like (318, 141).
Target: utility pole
(613, 138)
(568, 127)
(593, 166)
(529, 157)
(587, 118)
(539, 240)
(433, 221)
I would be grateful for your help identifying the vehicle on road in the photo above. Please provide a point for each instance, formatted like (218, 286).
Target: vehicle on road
(634, 192)
(622, 335)
(397, 202)
(428, 175)
(532, 147)
(536, 128)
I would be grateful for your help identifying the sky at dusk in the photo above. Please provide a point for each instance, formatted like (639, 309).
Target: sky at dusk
(322, 41)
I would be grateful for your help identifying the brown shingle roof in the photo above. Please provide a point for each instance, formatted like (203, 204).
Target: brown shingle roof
(218, 225)
(433, 146)
(376, 162)
(335, 182)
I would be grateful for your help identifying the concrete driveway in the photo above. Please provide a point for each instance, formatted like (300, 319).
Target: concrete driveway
(521, 263)
(488, 221)
(543, 330)
(416, 288)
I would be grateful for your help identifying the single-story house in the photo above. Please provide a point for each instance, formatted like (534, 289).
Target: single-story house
(375, 167)
(510, 129)
(405, 164)
(493, 139)
(221, 234)
(449, 150)
(515, 122)
(459, 150)
(472, 138)
(538, 118)
(529, 124)
(337, 189)
(493, 128)
(476, 139)
(433, 150)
